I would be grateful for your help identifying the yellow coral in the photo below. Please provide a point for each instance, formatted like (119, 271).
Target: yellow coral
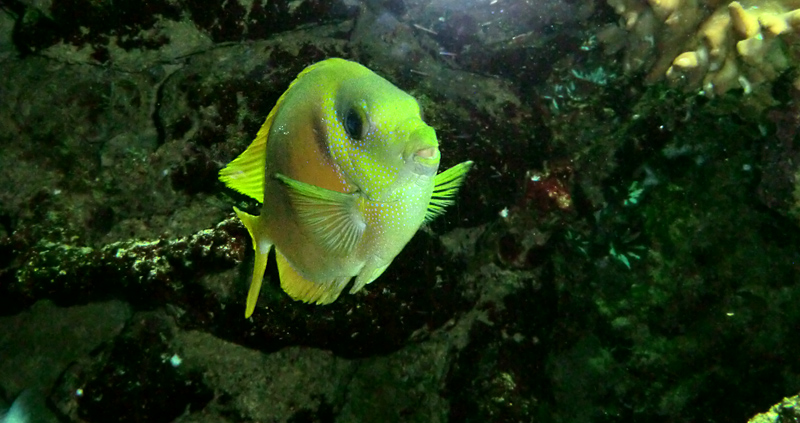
(711, 46)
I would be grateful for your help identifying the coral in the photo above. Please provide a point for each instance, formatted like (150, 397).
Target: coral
(708, 45)
(788, 410)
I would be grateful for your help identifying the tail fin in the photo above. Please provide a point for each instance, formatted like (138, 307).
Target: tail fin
(262, 246)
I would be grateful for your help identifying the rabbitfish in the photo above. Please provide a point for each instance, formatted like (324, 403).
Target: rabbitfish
(346, 170)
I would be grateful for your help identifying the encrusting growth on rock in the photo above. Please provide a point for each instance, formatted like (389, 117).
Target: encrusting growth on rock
(710, 46)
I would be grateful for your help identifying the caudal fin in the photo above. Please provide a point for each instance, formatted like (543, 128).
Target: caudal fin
(261, 245)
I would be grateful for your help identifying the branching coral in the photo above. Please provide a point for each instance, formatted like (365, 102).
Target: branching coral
(709, 45)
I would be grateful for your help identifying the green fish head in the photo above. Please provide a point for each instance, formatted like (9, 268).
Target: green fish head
(381, 142)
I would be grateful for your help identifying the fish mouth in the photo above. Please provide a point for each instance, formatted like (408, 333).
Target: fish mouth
(422, 149)
(426, 156)
(425, 153)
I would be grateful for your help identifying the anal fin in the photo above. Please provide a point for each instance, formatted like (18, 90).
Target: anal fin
(300, 288)
(367, 275)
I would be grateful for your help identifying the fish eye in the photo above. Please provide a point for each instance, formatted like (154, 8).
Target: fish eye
(354, 124)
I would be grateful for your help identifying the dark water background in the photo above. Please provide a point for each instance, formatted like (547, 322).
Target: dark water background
(625, 249)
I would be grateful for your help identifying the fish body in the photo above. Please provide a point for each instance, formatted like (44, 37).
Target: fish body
(15, 414)
(29, 407)
(346, 170)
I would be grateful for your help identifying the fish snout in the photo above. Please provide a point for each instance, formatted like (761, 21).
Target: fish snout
(422, 150)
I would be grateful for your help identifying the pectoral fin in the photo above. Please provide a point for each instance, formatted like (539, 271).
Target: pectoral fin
(332, 218)
(446, 187)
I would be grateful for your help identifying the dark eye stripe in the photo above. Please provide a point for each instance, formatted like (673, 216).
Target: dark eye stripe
(321, 135)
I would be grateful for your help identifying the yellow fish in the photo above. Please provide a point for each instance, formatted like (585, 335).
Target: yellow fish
(346, 171)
